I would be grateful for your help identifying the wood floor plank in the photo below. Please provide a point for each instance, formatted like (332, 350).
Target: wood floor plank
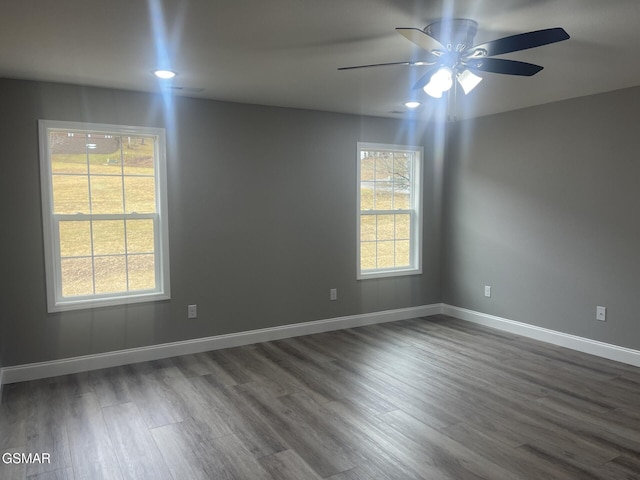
(46, 427)
(111, 385)
(408, 398)
(514, 459)
(234, 372)
(308, 350)
(69, 385)
(158, 402)
(444, 453)
(12, 471)
(265, 371)
(196, 406)
(92, 453)
(14, 412)
(62, 474)
(135, 449)
(191, 455)
(313, 380)
(355, 388)
(301, 375)
(365, 472)
(287, 465)
(609, 435)
(386, 453)
(562, 462)
(195, 365)
(253, 430)
(235, 459)
(622, 467)
(186, 453)
(318, 447)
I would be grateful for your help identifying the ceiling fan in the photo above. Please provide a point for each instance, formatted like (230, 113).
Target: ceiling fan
(453, 58)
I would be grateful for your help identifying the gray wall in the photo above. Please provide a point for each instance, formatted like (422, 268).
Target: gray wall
(542, 204)
(261, 219)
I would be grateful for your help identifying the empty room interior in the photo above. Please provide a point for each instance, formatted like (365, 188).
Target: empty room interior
(374, 239)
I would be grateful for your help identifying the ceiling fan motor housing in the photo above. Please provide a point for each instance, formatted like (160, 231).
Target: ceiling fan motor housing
(456, 34)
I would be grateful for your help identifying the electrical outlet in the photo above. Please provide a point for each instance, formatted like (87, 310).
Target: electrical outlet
(192, 311)
(487, 291)
(333, 294)
(601, 314)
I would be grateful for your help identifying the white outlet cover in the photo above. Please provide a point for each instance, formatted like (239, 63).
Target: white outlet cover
(487, 291)
(601, 313)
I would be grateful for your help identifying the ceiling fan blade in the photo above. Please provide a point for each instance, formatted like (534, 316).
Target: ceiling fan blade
(424, 79)
(522, 41)
(507, 67)
(411, 64)
(420, 38)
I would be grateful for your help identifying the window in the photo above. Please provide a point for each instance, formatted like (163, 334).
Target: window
(390, 214)
(104, 208)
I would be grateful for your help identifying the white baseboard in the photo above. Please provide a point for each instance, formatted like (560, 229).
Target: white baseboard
(34, 371)
(581, 344)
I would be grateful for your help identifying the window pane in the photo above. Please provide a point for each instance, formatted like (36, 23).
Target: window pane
(105, 165)
(385, 229)
(402, 182)
(68, 153)
(384, 196)
(69, 164)
(367, 169)
(402, 253)
(103, 153)
(140, 237)
(140, 194)
(386, 254)
(70, 194)
(366, 195)
(402, 171)
(384, 167)
(368, 228)
(106, 195)
(138, 154)
(111, 274)
(142, 274)
(108, 237)
(403, 227)
(367, 255)
(401, 200)
(77, 277)
(75, 239)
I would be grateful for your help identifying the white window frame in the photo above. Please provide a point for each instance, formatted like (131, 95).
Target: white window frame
(415, 267)
(55, 300)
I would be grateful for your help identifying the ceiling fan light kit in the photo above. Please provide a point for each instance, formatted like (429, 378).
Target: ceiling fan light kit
(468, 80)
(453, 58)
(440, 82)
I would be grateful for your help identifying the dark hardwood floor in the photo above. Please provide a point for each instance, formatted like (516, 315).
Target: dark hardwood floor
(433, 398)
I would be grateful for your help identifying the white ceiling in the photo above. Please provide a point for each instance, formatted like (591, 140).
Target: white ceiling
(286, 52)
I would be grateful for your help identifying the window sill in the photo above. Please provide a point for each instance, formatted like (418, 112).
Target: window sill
(63, 306)
(389, 273)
